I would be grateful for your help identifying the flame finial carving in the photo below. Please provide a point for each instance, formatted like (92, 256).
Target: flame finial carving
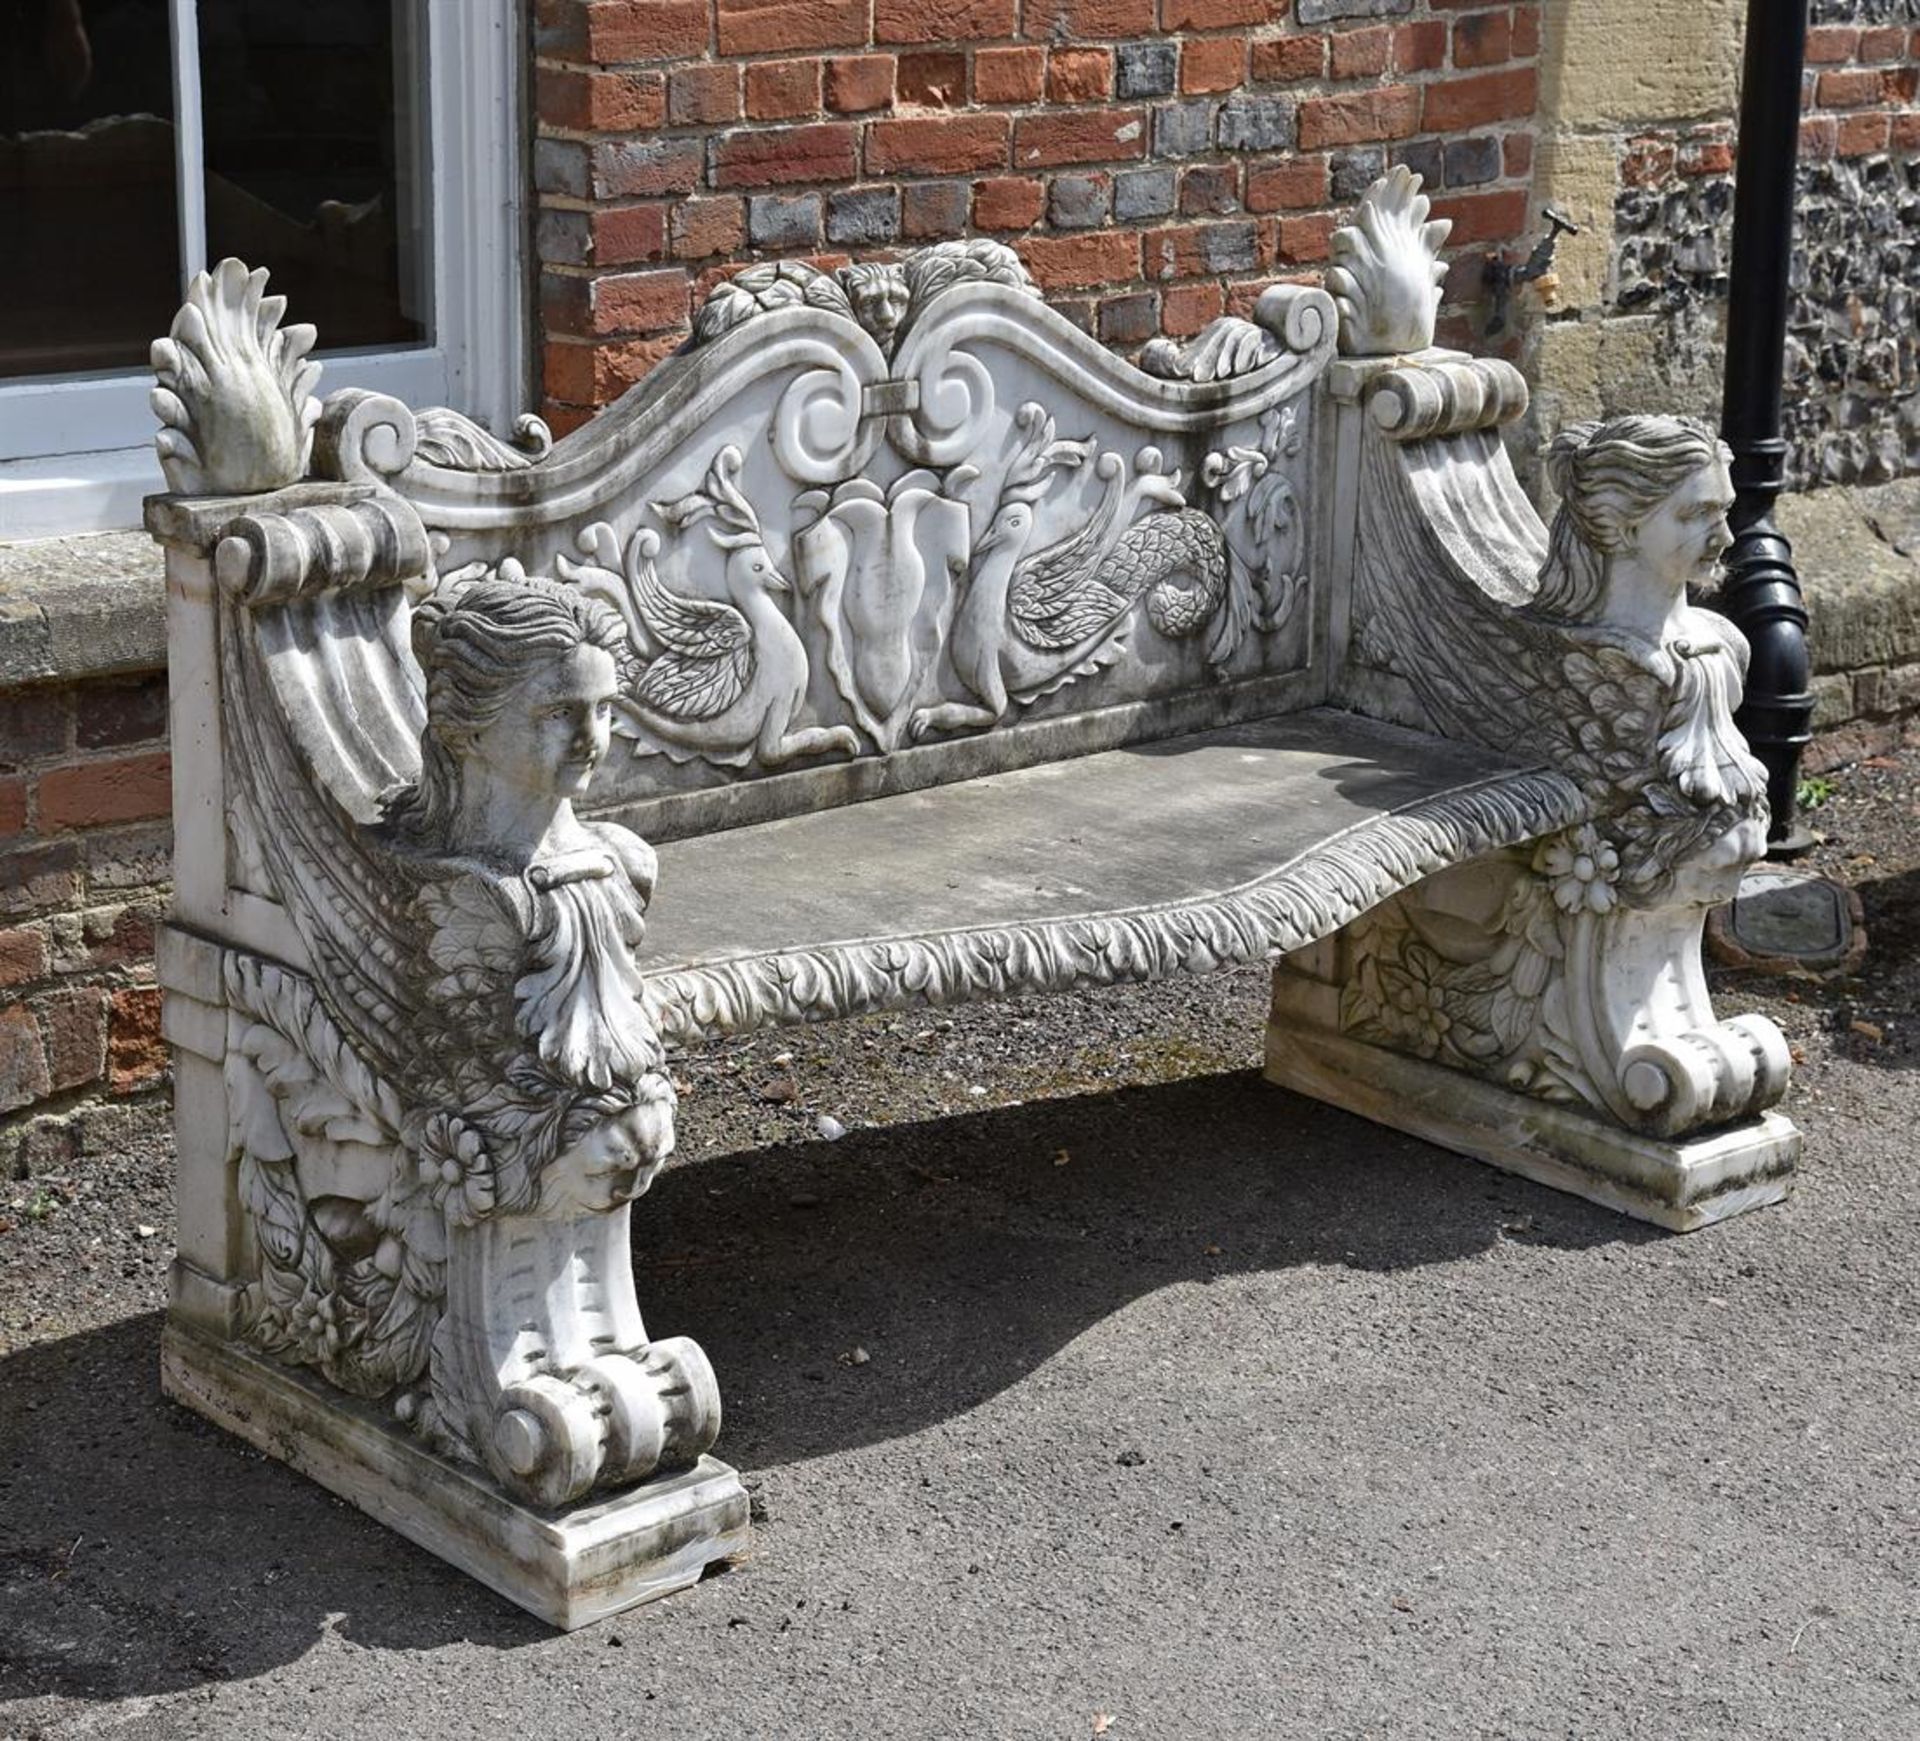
(235, 394)
(1386, 271)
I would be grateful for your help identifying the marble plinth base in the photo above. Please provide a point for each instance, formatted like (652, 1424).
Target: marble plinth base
(1677, 1184)
(569, 1568)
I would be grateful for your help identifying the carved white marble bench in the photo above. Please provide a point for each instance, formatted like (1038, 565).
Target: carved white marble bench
(1262, 655)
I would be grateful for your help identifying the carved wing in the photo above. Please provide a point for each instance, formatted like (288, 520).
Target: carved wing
(1061, 596)
(473, 949)
(1450, 551)
(350, 897)
(703, 658)
(1560, 695)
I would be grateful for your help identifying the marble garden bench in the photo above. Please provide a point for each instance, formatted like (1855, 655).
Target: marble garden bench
(915, 651)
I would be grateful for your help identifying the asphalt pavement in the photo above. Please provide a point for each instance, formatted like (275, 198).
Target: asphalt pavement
(1086, 1385)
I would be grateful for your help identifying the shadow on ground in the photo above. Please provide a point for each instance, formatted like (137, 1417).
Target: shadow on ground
(144, 1552)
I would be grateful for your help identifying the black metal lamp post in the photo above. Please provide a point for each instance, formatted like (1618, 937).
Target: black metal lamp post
(1762, 591)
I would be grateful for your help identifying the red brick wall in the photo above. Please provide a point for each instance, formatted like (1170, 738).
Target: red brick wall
(1155, 162)
(84, 863)
(1861, 87)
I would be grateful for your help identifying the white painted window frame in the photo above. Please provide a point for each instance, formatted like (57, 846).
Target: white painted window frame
(76, 454)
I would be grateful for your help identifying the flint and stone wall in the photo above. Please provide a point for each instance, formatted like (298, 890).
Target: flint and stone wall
(1642, 156)
(1637, 147)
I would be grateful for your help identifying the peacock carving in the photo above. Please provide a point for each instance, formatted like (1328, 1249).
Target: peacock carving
(1029, 623)
(722, 679)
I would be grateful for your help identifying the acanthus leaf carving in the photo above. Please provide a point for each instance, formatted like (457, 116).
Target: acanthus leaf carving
(1542, 995)
(884, 298)
(1386, 271)
(352, 1258)
(447, 438)
(764, 289)
(235, 388)
(1259, 511)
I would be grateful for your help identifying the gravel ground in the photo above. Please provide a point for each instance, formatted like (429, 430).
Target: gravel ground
(1189, 1410)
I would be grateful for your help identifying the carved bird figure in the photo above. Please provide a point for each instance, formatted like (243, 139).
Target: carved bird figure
(1030, 624)
(722, 679)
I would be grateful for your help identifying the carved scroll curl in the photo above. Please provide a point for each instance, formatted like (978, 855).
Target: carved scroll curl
(269, 559)
(365, 437)
(1286, 318)
(1450, 399)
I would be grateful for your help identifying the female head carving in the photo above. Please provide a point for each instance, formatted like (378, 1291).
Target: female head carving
(517, 673)
(1653, 490)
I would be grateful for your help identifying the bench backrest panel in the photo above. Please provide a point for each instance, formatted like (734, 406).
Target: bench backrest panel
(904, 525)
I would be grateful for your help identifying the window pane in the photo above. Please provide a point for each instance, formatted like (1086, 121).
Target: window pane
(312, 117)
(89, 231)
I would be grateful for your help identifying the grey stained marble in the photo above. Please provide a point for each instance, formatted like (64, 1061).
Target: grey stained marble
(892, 645)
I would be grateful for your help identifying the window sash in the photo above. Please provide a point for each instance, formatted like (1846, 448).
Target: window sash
(76, 453)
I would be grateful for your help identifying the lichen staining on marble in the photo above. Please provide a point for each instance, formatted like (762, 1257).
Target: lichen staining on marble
(904, 535)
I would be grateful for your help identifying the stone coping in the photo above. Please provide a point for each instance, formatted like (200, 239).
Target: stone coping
(75, 608)
(1857, 548)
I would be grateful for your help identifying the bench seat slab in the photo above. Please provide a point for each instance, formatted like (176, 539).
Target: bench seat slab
(1180, 856)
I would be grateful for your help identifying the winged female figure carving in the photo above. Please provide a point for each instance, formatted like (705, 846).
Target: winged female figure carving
(1582, 650)
(1605, 623)
(474, 983)
(721, 679)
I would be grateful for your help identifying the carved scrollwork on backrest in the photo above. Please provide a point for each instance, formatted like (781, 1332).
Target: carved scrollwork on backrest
(830, 536)
(885, 563)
